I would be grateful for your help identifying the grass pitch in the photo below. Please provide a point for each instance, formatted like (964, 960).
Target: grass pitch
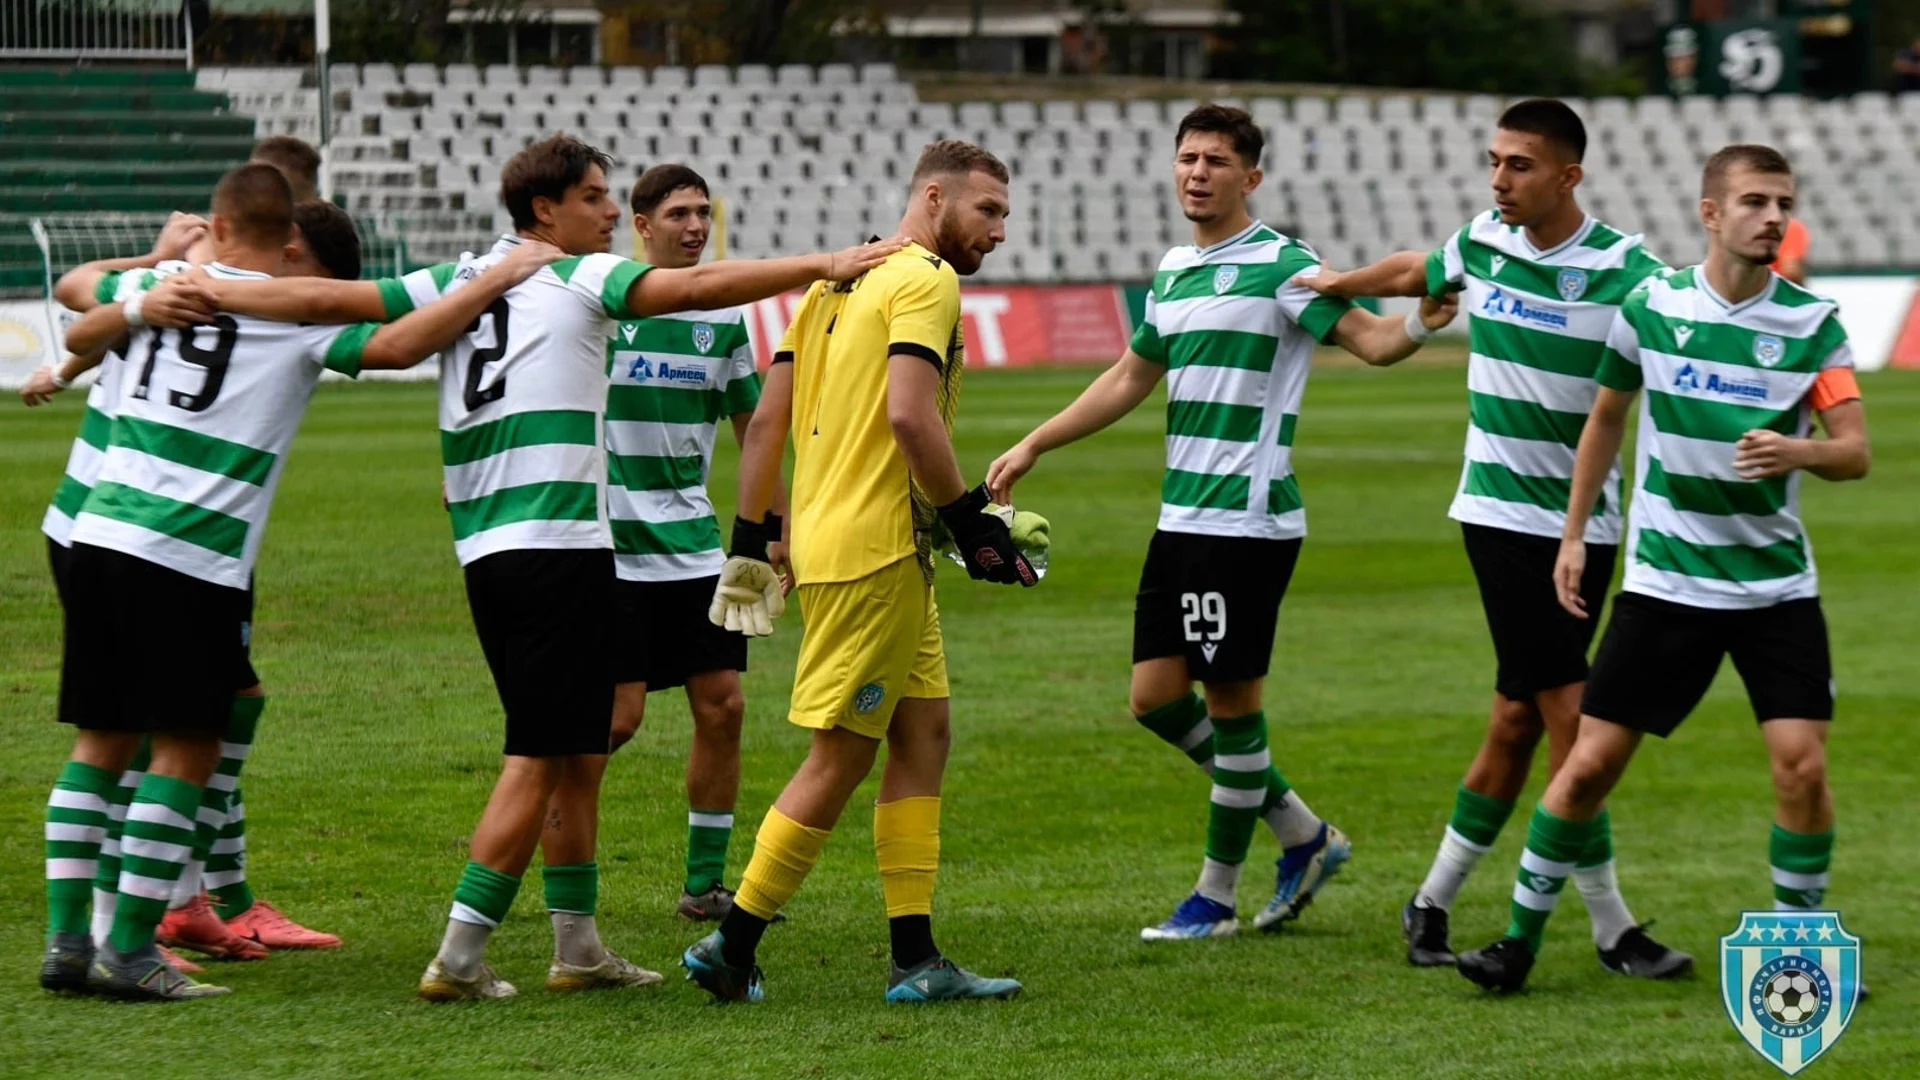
(1066, 826)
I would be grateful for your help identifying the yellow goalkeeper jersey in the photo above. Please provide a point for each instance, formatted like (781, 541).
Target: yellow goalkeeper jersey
(855, 508)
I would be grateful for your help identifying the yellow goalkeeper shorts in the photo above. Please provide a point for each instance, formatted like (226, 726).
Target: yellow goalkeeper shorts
(867, 644)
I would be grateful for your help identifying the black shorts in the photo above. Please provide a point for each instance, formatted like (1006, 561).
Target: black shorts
(1536, 643)
(664, 637)
(1658, 659)
(148, 649)
(1213, 600)
(60, 557)
(244, 677)
(545, 620)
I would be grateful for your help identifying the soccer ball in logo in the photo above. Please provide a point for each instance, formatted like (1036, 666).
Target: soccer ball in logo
(1792, 997)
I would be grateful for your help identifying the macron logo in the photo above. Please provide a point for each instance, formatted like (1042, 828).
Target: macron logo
(1681, 334)
(627, 331)
(1497, 262)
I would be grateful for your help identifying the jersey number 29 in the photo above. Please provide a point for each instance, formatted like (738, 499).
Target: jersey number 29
(1203, 608)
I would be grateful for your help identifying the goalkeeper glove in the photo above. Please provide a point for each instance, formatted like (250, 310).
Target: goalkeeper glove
(984, 542)
(749, 596)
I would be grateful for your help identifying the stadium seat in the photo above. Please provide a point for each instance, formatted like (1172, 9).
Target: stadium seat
(669, 78)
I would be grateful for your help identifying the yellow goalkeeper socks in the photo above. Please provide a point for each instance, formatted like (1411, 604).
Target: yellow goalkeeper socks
(906, 843)
(783, 853)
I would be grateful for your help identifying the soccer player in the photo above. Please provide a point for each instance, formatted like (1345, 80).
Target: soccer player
(1233, 334)
(1542, 280)
(162, 548)
(673, 378)
(522, 401)
(1736, 362)
(870, 371)
(296, 159)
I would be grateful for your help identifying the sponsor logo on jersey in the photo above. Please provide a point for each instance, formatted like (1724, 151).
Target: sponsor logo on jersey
(1224, 277)
(1498, 302)
(645, 370)
(1572, 284)
(869, 697)
(1768, 350)
(1689, 380)
(703, 337)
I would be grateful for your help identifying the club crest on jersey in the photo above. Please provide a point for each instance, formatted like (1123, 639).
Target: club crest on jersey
(1768, 350)
(1790, 981)
(1224, 277)
(1572, 283)
(869, 697)
(703, 337)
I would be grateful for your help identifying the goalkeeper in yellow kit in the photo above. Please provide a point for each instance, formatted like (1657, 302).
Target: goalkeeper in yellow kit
(865, 380)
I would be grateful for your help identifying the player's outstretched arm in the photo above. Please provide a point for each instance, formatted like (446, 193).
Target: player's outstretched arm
(1118, 391)
(76, 288)
(427, 330)
(1403, 273)
(1599, 448)
(1381, 341)
(1843, 455)
(49, 379)
(733, 282)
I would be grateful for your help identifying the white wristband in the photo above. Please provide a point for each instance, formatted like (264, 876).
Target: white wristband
(53, 376)
(1417, 330)
(132, 310)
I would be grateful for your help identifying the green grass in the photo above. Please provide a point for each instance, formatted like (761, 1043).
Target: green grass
(1067, 827)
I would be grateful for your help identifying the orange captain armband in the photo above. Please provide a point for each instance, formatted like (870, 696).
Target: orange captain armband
(1833, 386)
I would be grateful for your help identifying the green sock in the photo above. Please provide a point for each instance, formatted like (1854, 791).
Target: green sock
(1241, 765)
(106, 880)
(484, 895)
(708, 832)
(573, 888)
(1183, 725)
(154, 849)
(76, 827)
(1599, 847)
(1553, 844)
(226, 872)
(1477, 818)
(1800, 862)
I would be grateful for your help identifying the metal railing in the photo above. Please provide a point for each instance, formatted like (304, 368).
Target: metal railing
(95, 30)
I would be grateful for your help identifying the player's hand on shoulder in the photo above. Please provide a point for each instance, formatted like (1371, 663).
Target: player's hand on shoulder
(1437, 313)
(854, 261)
(181, 232)
(525, 260)
(1006, 471)
(1325, 281)
(184, 299)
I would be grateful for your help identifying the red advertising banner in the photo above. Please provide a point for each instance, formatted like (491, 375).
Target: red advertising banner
(1005, 326)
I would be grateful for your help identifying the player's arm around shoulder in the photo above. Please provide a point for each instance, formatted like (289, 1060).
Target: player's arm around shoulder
(733, 282)
(427, 330)
(1403, 273)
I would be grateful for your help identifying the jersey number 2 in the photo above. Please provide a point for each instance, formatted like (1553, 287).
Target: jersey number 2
(491, 354)
(214, 360)
(1209, 608)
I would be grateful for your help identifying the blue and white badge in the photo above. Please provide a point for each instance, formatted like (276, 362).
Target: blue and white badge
(1224, 277)
(1572, 283)
(1768, 350)
(703, 337)
(1790, 981)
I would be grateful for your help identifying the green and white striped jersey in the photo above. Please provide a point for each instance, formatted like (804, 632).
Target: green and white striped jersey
(1697, 532)
(1237, 337)
(200, 434)
(672, 381)
(522, 397)
(90, 446)
(1537, 321)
